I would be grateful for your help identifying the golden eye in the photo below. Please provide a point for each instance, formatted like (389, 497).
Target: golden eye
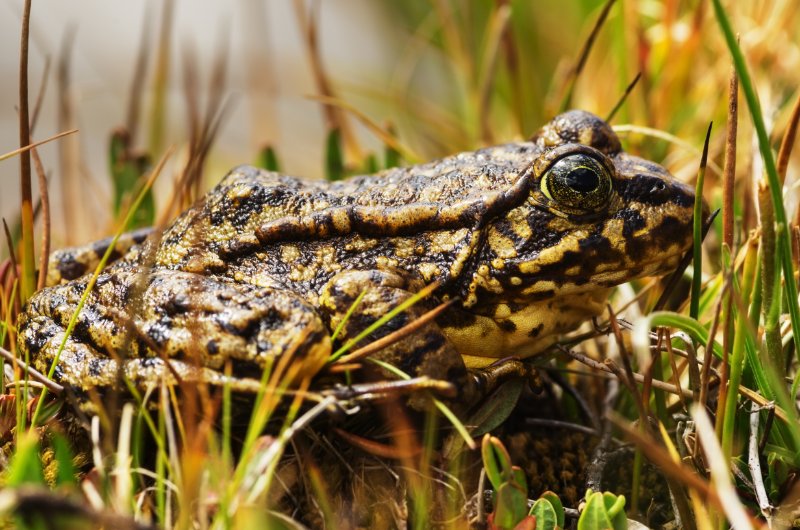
(577, 182)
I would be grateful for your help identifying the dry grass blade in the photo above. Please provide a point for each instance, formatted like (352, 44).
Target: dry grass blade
(708, 353)
(160, 78)
(139, 77)
(624, 97)
(723, 489)
(69, 153)
(395, 452)
(787, 142)
(382, 134)
(28, 147)
(584, 55)
(498, 28)
(334, 119)
(37, 106)
(628, 378)
(394, 336)
(44, 251)
(662, 459)
(11, 254)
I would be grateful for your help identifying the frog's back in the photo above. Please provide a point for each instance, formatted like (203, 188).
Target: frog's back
(255, 210)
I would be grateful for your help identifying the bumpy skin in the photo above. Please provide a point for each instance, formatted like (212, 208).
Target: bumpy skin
(267, 264)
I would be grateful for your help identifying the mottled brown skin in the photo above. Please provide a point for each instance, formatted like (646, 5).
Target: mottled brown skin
(266, 265)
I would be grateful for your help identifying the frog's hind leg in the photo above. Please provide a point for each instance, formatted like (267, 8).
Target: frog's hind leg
(426, 352)
(70, 263)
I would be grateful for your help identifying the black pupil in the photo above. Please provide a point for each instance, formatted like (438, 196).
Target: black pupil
(582, 179)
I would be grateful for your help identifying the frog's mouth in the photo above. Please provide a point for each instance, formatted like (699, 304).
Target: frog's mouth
(660, 267)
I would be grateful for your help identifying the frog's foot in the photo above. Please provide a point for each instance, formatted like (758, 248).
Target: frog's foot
(425, 352)
(71, 263)
(179, 324)
(490, 378)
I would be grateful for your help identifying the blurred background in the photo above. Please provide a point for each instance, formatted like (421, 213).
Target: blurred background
(426, 78)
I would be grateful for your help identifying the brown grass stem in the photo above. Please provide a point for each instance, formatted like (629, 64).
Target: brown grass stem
(729, 167)
(624, 97)
(787, 142)
(27, 279)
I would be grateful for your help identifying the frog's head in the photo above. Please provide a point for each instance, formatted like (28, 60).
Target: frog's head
(601, 217)
(593, 217)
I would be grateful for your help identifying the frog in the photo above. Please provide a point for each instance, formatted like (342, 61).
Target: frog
(523, 241)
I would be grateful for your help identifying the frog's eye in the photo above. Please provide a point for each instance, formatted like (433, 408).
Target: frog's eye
(577, 182)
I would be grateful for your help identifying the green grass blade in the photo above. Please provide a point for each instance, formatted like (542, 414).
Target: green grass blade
(697, 227)
(784, 249)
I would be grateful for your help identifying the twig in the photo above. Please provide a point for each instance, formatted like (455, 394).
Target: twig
(754, 464)
(770, 407)
(596, 467)
(627, 379)
(39, 377)
(661, 385)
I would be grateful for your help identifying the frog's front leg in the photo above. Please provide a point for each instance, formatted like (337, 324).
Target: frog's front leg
(70, 263)
(426, 352)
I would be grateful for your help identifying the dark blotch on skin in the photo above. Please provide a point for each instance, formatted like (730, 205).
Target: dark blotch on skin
(507, 325)
(534, 332)
(69, 268)
(632, 221)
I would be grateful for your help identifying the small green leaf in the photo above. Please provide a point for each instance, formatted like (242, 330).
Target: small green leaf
(371, 164)
(518, 477)
(546, 515)
(127, 171)
(268, 159)
(334, 159)
(603, 511)
(496, 408)
(26, 464)
(490, 463)
(555, 502)
(511, 505)
(65, 469)
(392, 158)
